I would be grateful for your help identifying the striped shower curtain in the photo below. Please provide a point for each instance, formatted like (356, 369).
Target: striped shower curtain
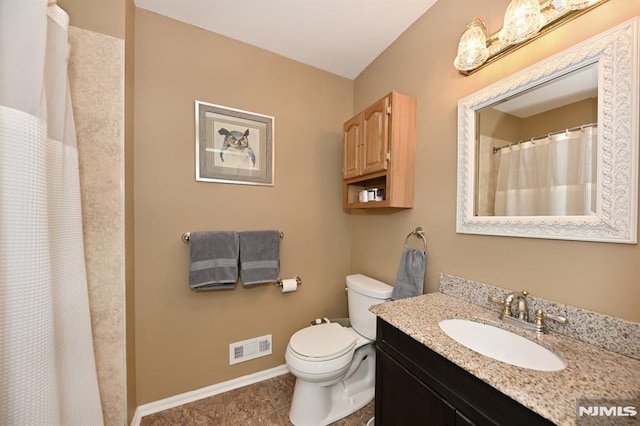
(47, 365)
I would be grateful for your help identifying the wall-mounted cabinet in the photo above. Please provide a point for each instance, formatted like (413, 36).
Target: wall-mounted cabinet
(379, 153)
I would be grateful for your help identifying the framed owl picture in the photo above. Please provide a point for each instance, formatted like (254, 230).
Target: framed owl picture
(233, 146)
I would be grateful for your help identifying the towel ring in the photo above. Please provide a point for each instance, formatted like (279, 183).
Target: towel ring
(418, 232)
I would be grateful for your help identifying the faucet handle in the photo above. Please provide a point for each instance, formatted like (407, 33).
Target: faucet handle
(495, 299)
(557, 318)
(540, 317)
(505, 308)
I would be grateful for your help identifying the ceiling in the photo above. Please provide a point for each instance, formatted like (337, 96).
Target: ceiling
(565, 90)
(339, 36)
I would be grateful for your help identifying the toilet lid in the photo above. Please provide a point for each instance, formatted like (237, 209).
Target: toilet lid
(322, 341)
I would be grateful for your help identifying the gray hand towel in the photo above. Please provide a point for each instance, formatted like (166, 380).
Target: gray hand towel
(259, 257)
(410, 276)
(213, 259)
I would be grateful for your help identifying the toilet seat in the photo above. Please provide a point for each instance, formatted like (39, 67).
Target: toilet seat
(322, 342)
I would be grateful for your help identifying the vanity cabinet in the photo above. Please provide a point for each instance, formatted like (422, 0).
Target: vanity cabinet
(379, 152)
(417, 386)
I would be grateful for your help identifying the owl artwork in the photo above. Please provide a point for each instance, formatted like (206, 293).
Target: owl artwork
(236, 151)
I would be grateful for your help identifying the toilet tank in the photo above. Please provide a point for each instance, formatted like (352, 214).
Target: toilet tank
(363, 292)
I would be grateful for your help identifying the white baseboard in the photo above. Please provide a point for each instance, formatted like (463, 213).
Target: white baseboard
(187, 397)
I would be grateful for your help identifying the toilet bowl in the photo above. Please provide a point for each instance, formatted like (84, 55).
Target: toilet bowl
(334, 365)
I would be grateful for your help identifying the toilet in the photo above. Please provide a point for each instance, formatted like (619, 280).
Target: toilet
(335, 366)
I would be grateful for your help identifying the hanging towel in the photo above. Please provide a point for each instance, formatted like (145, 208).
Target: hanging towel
(259, 256)
(410, 276)
(214, 260)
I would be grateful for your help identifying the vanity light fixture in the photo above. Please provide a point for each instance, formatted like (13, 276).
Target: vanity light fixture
(472, 49)
(524, 21)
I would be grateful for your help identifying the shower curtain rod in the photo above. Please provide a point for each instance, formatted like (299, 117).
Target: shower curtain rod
(537, 138)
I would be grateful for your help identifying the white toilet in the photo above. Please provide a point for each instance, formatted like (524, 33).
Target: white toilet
(335, 366)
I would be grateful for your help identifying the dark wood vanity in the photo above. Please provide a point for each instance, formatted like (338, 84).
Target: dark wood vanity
(417, 386)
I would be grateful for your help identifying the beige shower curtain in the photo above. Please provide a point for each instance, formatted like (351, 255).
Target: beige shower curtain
(47, 365)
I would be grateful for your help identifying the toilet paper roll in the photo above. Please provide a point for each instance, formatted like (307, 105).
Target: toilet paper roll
(289, 285)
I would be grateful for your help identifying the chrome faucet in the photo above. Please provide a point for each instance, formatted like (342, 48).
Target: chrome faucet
(520, 316)
(522, 308)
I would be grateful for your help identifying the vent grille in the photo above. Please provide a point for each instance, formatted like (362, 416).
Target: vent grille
(249, 349)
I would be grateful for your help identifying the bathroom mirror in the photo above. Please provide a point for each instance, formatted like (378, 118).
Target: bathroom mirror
(552, 151)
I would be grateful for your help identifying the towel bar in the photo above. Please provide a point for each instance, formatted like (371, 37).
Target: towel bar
(187, 236)
(418, 232)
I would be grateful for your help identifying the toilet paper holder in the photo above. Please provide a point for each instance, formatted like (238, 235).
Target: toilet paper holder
(279, 282)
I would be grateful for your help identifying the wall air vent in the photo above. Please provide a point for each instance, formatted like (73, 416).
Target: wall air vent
(249, 349)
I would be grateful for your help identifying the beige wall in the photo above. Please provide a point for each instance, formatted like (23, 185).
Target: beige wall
(603, 277)
(104, 17)
(508, 127)
(499, 125)
(182, 336)
(572, 115)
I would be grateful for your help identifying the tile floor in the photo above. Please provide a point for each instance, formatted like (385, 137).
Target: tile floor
(265, 403)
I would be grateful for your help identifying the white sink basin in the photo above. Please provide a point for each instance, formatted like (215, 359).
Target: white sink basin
(501, 345)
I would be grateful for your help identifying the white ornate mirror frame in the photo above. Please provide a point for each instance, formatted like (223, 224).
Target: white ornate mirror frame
(617, 53)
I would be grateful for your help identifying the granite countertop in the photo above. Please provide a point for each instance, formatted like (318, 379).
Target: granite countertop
(591, 372)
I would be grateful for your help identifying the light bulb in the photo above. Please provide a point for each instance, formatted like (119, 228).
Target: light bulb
(472, 48)
(522, 20)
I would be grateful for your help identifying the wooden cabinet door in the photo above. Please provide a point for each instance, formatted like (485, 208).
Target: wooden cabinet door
(462, 420)
(352, 147)
(375, 134)
(403, 400)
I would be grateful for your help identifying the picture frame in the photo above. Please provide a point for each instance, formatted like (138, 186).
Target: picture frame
(233, 146)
